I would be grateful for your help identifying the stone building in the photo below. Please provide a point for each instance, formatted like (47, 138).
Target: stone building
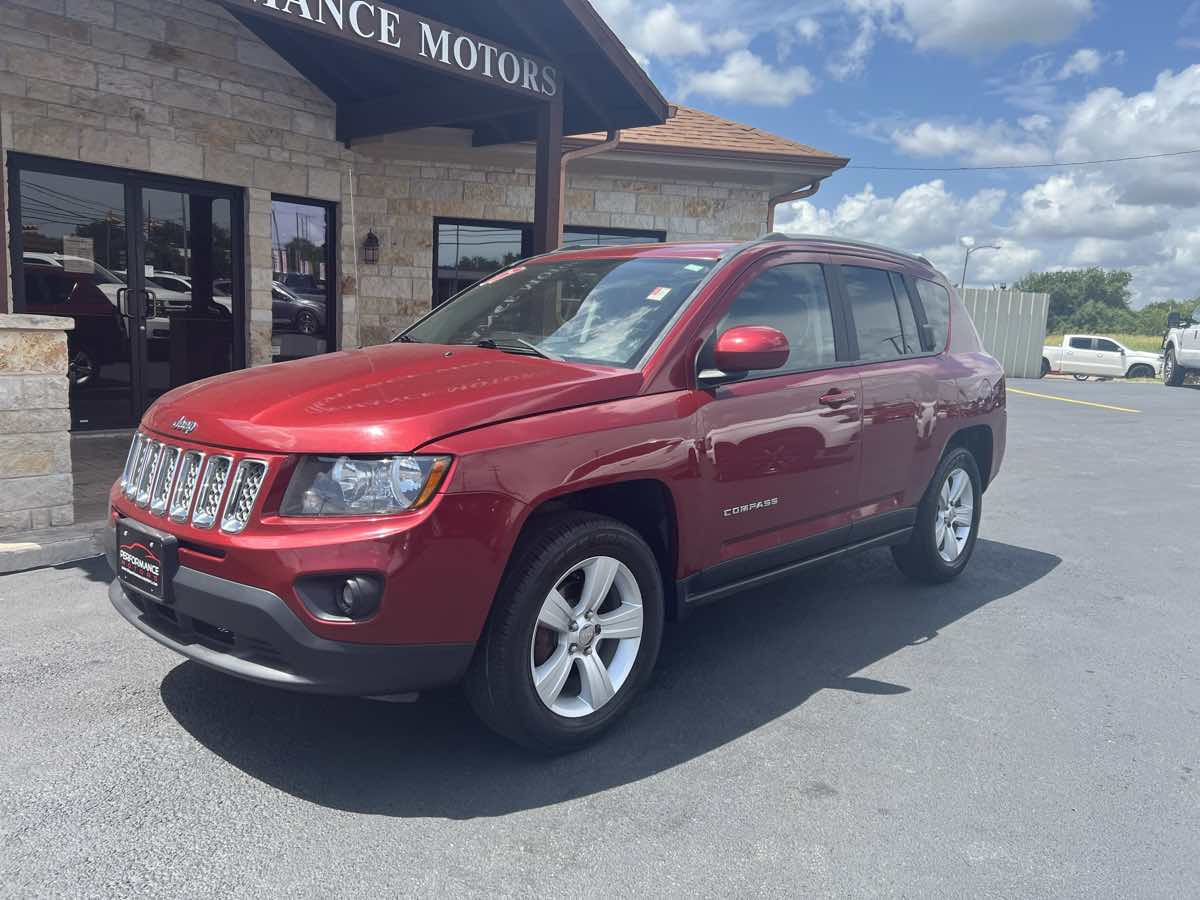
(203, 186)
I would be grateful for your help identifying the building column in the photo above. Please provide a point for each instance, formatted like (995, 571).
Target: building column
(7, 289)
(547, 189)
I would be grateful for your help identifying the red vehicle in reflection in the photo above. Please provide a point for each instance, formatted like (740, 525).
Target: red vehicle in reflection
(87, 293)
(527, 484)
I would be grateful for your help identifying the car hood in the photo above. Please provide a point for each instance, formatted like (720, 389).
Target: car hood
(386, 399)
(1143, 354)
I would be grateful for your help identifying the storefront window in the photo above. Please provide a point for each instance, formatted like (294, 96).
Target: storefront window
(303, 291)
(467, 251)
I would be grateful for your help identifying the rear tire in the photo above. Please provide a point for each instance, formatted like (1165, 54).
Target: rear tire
(1081, 377)
(545, 675)
(1045, 367)
(945, 532)
(1173, 373)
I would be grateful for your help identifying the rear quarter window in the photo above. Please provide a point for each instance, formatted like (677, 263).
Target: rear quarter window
(935, 299)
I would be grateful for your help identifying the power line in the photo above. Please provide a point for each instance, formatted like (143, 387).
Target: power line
(1053, 165)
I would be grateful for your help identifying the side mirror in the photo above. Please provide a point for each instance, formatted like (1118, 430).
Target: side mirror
(747, 348)
(1173, 320)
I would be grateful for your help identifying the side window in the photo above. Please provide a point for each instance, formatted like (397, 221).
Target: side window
(1081, 343)
(877, 322)
(935, 300)
(794, 299)
(908, 321)
(1107, 346)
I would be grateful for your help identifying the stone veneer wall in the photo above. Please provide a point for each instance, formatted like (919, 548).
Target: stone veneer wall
(185, 90)
(36, 487)
(176, 89)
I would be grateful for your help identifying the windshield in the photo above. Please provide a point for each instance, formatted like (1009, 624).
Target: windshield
(606, 311)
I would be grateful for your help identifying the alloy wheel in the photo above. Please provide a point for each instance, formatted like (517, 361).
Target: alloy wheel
(587, 637)
(955, 515)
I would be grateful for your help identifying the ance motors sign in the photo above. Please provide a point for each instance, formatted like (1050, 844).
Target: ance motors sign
(378, 27)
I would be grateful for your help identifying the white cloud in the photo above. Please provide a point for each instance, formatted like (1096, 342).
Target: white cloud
(1075, 205)
(973, 26)
(1037, 123)
(978, 144)
(664, 32)
(853, 59)
(808, 29)
(745, 77)
(1082, 62)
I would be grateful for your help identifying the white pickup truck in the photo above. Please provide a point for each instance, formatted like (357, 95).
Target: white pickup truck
(1088, 355)
(1181, 346)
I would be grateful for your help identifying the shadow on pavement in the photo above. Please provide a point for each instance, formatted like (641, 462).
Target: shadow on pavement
(726, 671)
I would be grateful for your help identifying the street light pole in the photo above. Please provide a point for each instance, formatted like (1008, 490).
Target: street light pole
(966, 259)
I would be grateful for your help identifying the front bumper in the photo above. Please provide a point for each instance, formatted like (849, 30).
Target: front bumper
(252, 634)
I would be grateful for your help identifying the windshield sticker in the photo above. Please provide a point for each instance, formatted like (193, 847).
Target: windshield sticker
(659, 293)
(499, 276)
(693, 267)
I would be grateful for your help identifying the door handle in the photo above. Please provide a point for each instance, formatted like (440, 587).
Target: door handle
(837, 397)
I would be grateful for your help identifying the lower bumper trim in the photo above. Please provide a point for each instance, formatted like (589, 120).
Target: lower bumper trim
(252, 634)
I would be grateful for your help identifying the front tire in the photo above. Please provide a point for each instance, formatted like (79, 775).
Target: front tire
(1173, 373)
(573, 635)
(1140, 371)
(947, 525)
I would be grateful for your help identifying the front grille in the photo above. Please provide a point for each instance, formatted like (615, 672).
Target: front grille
(212, 488)
(166, 479)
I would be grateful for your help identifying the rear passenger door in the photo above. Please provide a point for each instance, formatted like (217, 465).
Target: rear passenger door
(899, 366)
(1077, 356)
(781, 446)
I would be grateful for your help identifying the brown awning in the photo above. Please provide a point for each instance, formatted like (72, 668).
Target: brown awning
(485, 65)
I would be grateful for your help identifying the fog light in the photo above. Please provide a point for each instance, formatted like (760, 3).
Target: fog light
(358, 598)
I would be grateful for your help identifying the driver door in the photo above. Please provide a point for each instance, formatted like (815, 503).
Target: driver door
(782, 448)
(1110, 358)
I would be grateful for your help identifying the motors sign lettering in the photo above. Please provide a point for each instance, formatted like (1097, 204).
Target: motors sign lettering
(424, 41)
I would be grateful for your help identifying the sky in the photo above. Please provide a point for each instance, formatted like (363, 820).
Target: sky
(952, 83)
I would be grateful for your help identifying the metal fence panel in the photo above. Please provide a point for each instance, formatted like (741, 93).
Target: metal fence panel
(1012, 326)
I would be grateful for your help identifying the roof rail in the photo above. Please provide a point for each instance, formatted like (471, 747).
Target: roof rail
(828, 239)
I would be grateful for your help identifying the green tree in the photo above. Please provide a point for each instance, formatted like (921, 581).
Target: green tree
(1072, 290)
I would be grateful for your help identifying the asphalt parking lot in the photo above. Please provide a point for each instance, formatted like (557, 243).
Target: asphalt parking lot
(1031, 730)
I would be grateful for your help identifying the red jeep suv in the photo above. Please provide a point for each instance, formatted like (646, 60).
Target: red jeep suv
(526, 484)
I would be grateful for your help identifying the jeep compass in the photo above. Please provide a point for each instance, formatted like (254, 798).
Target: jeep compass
(525, 485)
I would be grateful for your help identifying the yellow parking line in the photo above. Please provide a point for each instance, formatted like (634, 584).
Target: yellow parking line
(1013, 390)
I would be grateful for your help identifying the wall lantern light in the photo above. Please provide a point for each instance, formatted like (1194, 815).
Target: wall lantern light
(371, 248)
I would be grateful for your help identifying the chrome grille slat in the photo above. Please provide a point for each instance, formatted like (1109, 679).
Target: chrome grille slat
(153, 457)
(185, 485)
(247, 482)
(160, 490)
(131, 460)
(131, 489)
(212, 489)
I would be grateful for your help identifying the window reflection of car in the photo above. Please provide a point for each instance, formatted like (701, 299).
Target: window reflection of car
(294, 312)
(306, 287)
(99, 336)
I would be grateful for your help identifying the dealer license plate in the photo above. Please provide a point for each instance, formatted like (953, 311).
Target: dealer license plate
(146, 559)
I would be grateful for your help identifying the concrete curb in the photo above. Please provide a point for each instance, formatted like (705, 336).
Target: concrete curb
(51, 547)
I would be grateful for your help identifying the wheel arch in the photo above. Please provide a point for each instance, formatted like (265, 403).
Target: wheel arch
(979, 441)
(644, 504)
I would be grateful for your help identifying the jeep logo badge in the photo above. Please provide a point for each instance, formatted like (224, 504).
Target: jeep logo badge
(184, 424)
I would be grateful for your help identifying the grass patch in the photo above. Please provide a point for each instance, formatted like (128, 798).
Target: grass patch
(1152, 343)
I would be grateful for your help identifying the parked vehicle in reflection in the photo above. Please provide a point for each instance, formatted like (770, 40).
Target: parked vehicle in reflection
(307, 287)
(293, 312)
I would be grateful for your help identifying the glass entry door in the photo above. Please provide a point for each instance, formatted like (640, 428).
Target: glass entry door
(149, 269)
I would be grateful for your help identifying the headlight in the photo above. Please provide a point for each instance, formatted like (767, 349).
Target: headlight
(362, 486)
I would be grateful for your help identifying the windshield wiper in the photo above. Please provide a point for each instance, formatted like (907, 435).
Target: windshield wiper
(522, 346)
(404, 339)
